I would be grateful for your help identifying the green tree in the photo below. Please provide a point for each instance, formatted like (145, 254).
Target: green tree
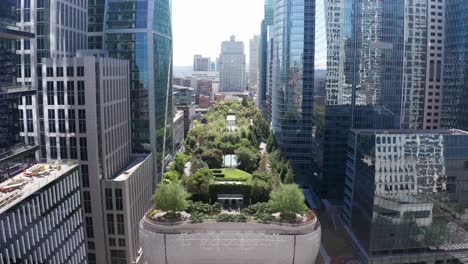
(263, 164)
(288, 200)
(290, 177)
(213, 158)
(198, 184)
(261, 187)
(247, 159)
(271, 143)
(179, 163)
(172, 176)
(171, 198)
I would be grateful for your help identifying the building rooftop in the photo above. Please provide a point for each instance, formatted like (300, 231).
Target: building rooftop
(404, 131)
(132, 166)
(31, 180)
(231, 118)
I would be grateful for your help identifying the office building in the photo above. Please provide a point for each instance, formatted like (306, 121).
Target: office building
(96, 24)
(254, 47)
(87, 117)
(40, 211)
(145, 41)
(232, 66)
(406, 196)
(179, 127)
(201, 64)
(263, 65)
(60, 30)
(294, 62)
(386, 56)
(455, 93)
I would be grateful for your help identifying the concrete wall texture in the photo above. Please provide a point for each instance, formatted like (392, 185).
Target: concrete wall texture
(229, 246)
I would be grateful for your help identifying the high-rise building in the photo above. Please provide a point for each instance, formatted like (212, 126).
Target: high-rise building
(201, 63)
(87, 116)
(146, 41)
(232, 66)
(295, 55)
(60, 28)
(405, 195)
(254, 46)
(41, 215)
(455, 92)
(263, 63)
(385, 56)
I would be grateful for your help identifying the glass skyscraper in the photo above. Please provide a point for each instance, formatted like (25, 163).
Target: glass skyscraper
(295, 59)
(263, 66)
(455, 104)
(406, 196)
(377, 69)
(140, 31)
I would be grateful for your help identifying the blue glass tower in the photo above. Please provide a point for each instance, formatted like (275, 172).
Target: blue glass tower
(455, 104)
(294, 65)
(263, 58)
(140, 31)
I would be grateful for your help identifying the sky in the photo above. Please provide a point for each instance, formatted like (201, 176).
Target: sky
(199, 26)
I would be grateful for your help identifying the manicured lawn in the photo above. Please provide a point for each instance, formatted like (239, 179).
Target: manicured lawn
(231, 175)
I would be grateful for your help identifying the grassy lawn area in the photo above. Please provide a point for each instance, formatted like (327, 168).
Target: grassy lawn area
(231, 175)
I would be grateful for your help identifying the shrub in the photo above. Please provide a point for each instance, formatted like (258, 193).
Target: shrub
(197, 217)
(205, 208)
(231, 218)
(287, 199)
(171, 197)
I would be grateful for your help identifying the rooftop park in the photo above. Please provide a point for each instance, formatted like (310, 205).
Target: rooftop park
(259, 186)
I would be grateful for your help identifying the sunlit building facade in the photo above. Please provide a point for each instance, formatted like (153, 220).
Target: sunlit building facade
(406, 195)
(140, 31)
(296, 56)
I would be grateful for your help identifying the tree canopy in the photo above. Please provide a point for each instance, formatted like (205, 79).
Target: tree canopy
(288, 200)
(171, 197)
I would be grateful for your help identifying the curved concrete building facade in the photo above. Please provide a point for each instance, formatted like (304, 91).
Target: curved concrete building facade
(229, 243)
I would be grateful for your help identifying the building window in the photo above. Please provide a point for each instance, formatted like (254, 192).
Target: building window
(87, 202)
(118, 257)
(71, 121)
(50, 93)
(21, 120)
(63, 148)
(73, 148)
(80, 71)
(61, 120)
(59, 72)
(118, 199)
(109, 205)
(28, 100)
(70, 71)
(122, 242)
(110, 224)
(60, 93)
(120, 224)
(71, 93)
(50, 72)
(29, 120)
(89, 227)
(112, 242)
(51, 115)
(81, 121)
(53, 147)
(85, 175)
(81, 93)
(83, 149)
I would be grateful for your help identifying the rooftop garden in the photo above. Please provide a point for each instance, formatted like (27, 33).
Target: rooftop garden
(195, 181)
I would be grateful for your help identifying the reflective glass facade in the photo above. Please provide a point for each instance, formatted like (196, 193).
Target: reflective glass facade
(263, 57)
(293, 81)
(455, 104)
(95, 23)
(406, 196)
(144, 38)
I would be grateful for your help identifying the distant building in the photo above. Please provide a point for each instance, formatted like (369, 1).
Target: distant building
(231, 122)
(254, 47)
(204, 101)
(189, 116)
(179, 127)
(201, 64)
(232, 66)
(183, 95)
(405, 198)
